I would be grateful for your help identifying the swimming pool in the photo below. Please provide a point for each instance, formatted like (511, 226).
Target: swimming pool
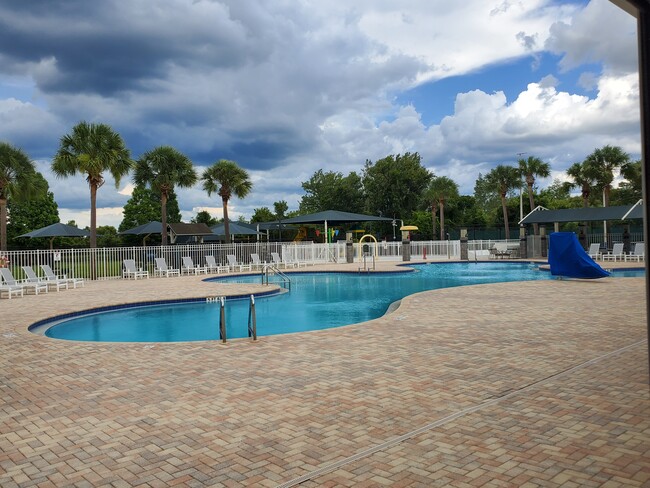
(316, 301)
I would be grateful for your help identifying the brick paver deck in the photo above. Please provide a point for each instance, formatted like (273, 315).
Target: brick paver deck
(519, 384)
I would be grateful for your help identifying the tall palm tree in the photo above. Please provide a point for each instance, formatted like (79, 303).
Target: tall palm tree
(583, 178)
(603, 162)
(280, 208)
(440, 189)
(504, 179)
(529, 169)
(18, 180)
(226, 179)
(163, 168)
(91, 150)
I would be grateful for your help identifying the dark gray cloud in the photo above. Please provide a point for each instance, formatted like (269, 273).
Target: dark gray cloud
(287, 87)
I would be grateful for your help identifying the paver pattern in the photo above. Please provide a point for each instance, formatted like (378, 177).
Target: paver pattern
(285, 409)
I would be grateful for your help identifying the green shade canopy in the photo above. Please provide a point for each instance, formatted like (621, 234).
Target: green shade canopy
(334, 217)
(153, 227)
(58, 230)
(542, 215)
(235, 228)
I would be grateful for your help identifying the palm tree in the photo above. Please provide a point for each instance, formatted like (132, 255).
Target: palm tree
(227, 179)
(503, 179)
(163, 168)
(583, 178)
(18, 180)
(529, 169)
(280, 208)
(440, 189)
(91, 150)
(602, 162)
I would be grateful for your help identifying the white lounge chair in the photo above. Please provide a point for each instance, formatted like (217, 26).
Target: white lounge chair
(295, 262)
(51, 276)
(255, 261)
(638, 253)
(213, 267)
(616, 254)
(189, 267)
(33, 278)
(130, 270)
(162, 269)
(594, 251)
(277, 261)
(10, 290)
(9, 280)
(232, 262)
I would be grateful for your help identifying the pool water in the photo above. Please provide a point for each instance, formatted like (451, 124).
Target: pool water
(315, 301)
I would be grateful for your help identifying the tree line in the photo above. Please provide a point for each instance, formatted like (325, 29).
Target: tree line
(397, 186)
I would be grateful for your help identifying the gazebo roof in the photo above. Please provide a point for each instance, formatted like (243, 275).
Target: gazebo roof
(543, 215)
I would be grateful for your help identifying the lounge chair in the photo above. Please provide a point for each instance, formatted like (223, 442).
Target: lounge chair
(638, 253)
(162, 269)
(33, 278)
(594, 251)
(213, 267)
(616, 254)
(295, 262)
(130, 270)
(255, 261)
(9, 280)
(500, 251)
(10, 290)
(278, 262)
(188, 267)
(232, 262)
(51, 276)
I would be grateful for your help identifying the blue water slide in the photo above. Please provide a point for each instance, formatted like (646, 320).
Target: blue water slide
(567, 258)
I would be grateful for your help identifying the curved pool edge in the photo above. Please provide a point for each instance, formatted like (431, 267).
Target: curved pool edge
(41, 326)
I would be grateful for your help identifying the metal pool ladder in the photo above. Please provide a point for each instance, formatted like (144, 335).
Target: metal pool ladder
(270, 270)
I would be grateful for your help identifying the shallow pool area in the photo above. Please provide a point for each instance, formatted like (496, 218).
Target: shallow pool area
(315, 301)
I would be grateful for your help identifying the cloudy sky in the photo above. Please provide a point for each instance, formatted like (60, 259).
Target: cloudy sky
(286, 87)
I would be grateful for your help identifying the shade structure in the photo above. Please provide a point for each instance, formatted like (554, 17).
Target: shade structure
(334, 217)
(153, 227)
(57, 230)
(235, 228)
(542, 215)
(329, 217)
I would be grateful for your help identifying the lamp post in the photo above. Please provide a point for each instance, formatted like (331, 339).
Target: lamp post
(394, 224)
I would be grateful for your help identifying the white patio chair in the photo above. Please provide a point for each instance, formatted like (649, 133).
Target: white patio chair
(10, 290)
(9, 280)
(296, 263)
(213, 267)
(594, 251)
(189, 267)
(616, 254)
(277, 261)
(162, 269)
(51, 276)
(255, 261)
(130, 270)
(232, 262)
(638, 253)
(33, 278)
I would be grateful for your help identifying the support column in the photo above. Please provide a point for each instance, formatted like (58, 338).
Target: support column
(523, 243)
(464, 255)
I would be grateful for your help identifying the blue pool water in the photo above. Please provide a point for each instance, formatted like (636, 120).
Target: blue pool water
(316, 301)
